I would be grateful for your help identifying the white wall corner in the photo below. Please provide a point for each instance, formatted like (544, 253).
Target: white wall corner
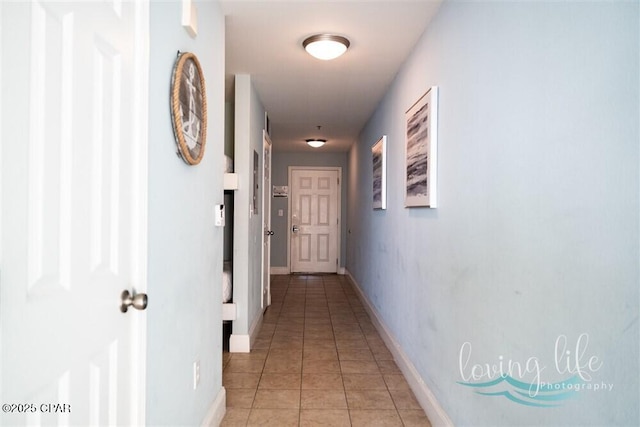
(436, 414)
(216, 411)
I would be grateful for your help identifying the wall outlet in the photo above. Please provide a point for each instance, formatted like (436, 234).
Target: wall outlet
(196, 374)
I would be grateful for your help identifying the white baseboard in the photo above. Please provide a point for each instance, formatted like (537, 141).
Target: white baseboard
(242, 343)
(216, 411)
(280, 270)
(436, 414)
(285, 270)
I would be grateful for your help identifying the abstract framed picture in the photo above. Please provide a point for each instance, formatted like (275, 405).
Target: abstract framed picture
(379, 157)
(421, 151)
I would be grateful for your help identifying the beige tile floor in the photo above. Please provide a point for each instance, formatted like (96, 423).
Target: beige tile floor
(318, 361)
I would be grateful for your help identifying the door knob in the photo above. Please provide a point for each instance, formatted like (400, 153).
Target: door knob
(268, 233)
(295, 229)
(271, 233)
(138, 301)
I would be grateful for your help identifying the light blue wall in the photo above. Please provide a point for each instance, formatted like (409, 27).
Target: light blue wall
(185, 248)
(247, 228)
(280, 163)
(536, 230)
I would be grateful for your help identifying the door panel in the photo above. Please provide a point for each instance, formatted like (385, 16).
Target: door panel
(305, 209)
(324, 252)
(324, 210)
(73, 230)
(314, 220)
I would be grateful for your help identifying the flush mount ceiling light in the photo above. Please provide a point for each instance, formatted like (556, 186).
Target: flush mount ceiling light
(326, 46)
(316, 143)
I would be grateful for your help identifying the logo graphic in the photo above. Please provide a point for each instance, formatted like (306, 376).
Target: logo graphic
(521, 392)
(521, 382)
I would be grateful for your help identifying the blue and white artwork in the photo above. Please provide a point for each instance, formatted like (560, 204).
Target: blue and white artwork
(379, 156)
(421, 150)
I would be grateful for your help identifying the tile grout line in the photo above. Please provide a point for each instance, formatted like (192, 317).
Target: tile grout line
(304, 321)
(341, 373)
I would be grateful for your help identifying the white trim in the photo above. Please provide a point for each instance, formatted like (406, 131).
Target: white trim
(229, 311)
(265, 267)
(140, 186)
(342, 271)
(436, 414)
(239, 343)
(216, 411)
(280, 270)
(231, 181)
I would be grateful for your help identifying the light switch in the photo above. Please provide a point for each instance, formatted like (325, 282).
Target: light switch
(280, 212)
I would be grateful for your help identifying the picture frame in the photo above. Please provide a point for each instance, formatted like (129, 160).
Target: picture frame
(379, 161)
(267, 123)
(421, 151)
(189, 108)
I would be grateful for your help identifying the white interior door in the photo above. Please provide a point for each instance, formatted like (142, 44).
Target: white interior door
(266, 218)
(314, 220)
(73, 228)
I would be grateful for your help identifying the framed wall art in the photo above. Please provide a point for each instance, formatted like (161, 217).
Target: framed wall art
(379, 157)
(421, 151)
(189, 108)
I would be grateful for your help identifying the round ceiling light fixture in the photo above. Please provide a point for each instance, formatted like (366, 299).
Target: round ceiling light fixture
(316, 143)
(326, 46)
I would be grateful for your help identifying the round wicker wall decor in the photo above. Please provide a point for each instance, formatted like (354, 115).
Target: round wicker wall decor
(189, 108)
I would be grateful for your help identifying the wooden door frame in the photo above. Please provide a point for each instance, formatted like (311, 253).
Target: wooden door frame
(266, 141)
(290, 198)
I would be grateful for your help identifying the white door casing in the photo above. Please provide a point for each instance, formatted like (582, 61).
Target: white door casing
(266, 218)
(73, 228)
(314, 219)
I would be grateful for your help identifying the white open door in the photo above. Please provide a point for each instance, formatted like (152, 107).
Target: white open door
(73, 197)
(315, 208)
(266, 218)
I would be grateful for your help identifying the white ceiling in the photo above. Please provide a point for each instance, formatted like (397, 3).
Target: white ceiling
(299, 92)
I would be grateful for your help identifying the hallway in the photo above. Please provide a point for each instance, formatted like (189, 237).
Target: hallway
(318, 360)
